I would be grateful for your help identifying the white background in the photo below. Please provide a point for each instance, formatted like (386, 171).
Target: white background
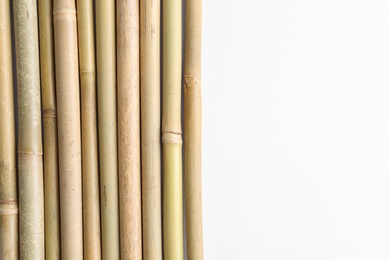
(296, 134)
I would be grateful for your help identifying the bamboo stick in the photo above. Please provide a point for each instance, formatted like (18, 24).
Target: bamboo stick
(150, 129)
(171, 131)
(129, 128)
(91, 206)
(30, 138)
(105, 24)
(193, 130)
(8, 188)
(50, 147)
(69, 137)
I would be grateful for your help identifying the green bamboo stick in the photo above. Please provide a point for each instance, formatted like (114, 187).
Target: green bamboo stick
(129, 129)
(105, 36)
(150, 129)
(30, 168)
(171, 131)
(193, 130)
(50, 147)
(91, 204)
(69, 136)
(8, 187)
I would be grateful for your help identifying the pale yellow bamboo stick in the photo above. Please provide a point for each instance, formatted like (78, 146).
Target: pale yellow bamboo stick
(50, 147)
(8, 187)
(69, 136)
(193, 130)
(171, 131)
(91, 206)
(150, 129)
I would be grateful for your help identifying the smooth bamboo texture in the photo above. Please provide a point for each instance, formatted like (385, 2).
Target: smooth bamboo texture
(8, 187)
(91, 204)
(69, 136)
(127, 12)
(150, 129)
(30, 165)
(171, 131)
(50, 146)
(105, 24)
(193, 130)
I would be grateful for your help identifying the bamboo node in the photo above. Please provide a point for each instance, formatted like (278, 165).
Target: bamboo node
(190, 81)
(8, 207)
(49, 112)
(29, 153)
(170, 137)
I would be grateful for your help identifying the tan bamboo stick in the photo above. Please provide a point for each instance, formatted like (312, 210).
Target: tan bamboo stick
(171, 131)
(50, 147)
(150, 129)
(8, 187)
(193, 130)
(31, 208)
(91, 204)
(69, 137)
(127, 12)
(105, 24)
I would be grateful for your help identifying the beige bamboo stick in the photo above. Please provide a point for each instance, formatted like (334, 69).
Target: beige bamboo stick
(150, 129)
(127, 12)
(69, 137)
(171, 131)
(8, 187)
(50, 147)
(193, 130)
(91, 204)
(105, 24)
(31, 208)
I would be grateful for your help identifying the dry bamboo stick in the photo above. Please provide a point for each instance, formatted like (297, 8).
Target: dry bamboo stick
(150, 129)
(129, 129)
(171, 131)
(105, 24)
(8, 187)
(91, 208)
(30, 137)
(69, 137)
(49, 110)
(193, 130)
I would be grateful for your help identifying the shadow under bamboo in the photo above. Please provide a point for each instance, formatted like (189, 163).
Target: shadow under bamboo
(50, 147)
(150, 129)
(127, 12)
(90, 167)
(31, 208)
(69, 137)
(105, 44)
(8, 187)
(171, 131)
(193, 130)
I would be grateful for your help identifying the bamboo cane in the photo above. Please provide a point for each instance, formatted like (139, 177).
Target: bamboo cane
(129, 128)
(171, 131)
(150, 129)
(193, 130)
(49, 110)
(105, 24)
(30, 137)
(68, 103)
(91, 208)
(8, 189)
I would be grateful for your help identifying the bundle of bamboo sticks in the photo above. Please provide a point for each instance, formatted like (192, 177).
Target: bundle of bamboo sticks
(89, 180)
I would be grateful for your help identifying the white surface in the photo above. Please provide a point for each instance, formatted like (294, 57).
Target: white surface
(296, 160)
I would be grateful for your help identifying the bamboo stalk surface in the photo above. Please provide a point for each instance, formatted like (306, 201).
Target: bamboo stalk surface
(193, 130)
(8, 187)
(30, 165)
(105, 24)
(171, 131)
(91, 204)
(69, 137)
(50, 146)
(150, 129)
(129, 128)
